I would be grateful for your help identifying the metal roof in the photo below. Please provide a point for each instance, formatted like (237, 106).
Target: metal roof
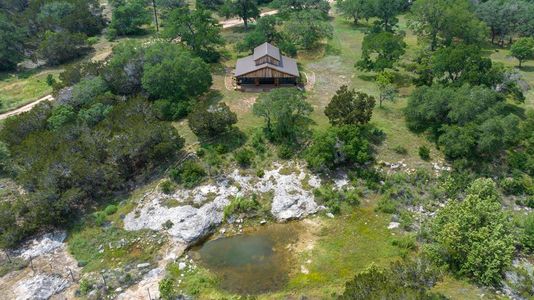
(266, 49)
(247, 64)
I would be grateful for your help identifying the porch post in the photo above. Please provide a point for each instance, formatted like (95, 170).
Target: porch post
(257, 81)
(276, 81)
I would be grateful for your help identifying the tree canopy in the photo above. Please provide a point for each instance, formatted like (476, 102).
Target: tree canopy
(286, 114)
(381, 50)
(197, 29)
(474, 237)
(349, 107)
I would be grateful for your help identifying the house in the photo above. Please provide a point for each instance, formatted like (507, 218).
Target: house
(266, 66)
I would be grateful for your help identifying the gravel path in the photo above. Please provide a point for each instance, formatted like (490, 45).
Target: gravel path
(25, 108)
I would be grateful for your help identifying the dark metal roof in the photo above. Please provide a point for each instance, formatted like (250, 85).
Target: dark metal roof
(247, 64)
(266, 49)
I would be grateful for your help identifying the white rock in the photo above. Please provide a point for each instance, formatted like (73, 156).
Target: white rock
(330, 215)
(393, 225)
(290, 201)
(143, 265)
(44, 244)
(182, 265)
(40, 287)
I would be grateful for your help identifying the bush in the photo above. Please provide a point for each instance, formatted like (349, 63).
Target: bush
(240, 205)
(110, 209)
(260, 173)
(172, 110)
(348, 144)
(285, 151)
(50, 80)
(333, 199)
(468, 234)
(85, 287)
(166, 289)
(528, 232)
(519, 184)
(406, 279)
(386, 205)
(190, 174)
(167, 187)
(424, 153)
(99, 218)
(244, 157)
(400, 150)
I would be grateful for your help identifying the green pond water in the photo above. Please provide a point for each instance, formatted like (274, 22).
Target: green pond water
(255, 262)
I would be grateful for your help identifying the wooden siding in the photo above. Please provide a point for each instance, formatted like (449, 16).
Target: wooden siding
(267, 59)
(266, 73)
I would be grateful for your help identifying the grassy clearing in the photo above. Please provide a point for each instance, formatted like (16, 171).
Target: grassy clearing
(97, 248)
(346, 246)
(333, 66)
(120, 247)
(18, 89)
(457, 289)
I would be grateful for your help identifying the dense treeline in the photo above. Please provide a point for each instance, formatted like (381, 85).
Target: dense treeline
(100, 136)
(54, 31)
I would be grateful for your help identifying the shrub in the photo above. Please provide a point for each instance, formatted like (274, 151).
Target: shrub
(285, 151)
(166, 289)
(110, 209)
(168, 224)
(189, 174)
(406, 279)
(241, 205)
(172, 110)
(528, 232)
(50, 80)
(99, 218)
(348, 144)
(333, 199)
(244, 157)
(400, 150)
(85, 287)
(260, 173)
(519, 184)
(424, 153)
(167, 187)
(386, 205)
(468, 234)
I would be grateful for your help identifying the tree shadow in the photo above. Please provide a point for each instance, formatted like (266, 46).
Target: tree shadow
(227, 142)
(367, 77)
(527, 68)
(402, 79)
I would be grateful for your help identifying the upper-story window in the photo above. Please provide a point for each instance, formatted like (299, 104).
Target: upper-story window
(267, 54)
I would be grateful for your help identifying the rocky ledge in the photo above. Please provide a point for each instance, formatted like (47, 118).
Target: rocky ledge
(196, 212)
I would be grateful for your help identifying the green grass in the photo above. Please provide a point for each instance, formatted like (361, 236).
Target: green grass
(18, 89)
(346, 246)
(85, 239)
(457, 289)
(86, 243)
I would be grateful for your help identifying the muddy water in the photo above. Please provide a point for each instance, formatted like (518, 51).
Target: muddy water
(255, 262)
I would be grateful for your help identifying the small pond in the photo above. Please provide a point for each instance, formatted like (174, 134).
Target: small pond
(255, 262)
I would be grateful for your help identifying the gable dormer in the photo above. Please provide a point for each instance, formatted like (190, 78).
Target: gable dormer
(266, 54)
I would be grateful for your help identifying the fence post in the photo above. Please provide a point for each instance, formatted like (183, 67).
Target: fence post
(71, 275)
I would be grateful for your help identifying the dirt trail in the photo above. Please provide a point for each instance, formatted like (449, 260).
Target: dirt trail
(25, 108)
(238, 21)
